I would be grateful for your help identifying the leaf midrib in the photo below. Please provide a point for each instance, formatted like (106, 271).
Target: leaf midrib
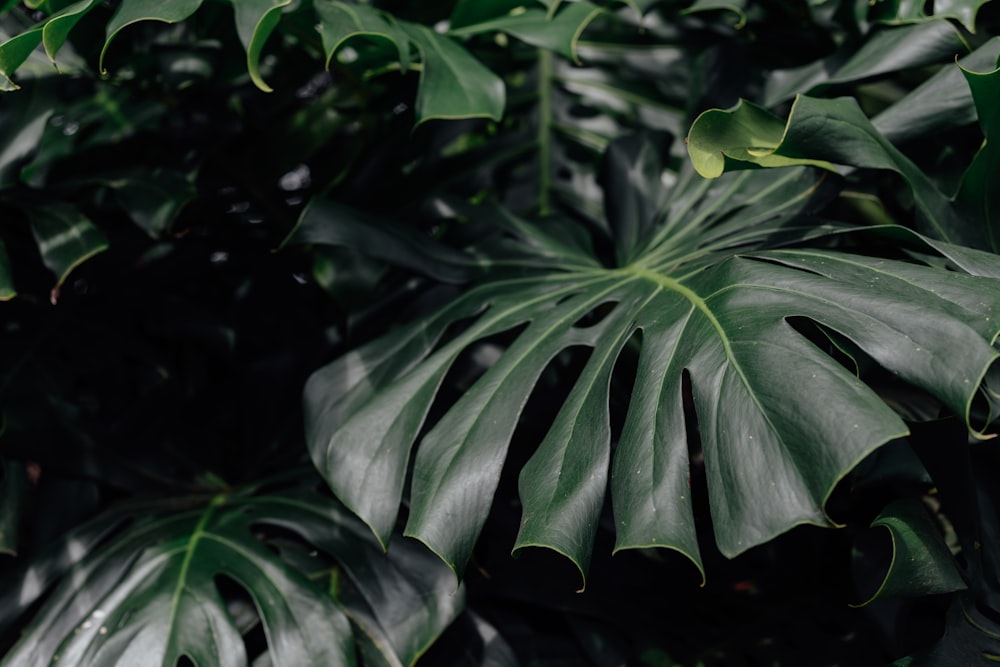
(667, 283)
(190, 548)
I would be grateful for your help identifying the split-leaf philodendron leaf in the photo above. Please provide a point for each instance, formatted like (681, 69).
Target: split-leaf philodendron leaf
(152, 594)
(704, 301)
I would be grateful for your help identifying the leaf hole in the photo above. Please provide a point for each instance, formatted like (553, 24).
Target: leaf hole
(468, 367)
(596, 315)
(457, 328)
(832, 343)
(622, 381)
(544, 403)
(697, 477)
(243, 610)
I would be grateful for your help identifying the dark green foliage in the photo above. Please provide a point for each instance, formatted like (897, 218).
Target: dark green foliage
(620, 287)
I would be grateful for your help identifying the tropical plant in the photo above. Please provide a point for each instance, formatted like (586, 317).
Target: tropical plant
(680, 282)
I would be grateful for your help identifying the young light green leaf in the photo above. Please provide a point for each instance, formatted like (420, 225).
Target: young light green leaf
(453, 84)
(819, 132)
(255, 21)
(743, 136)
(134, 11)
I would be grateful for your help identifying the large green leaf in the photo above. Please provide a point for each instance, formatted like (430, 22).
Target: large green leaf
(152, 594)
(779, 421)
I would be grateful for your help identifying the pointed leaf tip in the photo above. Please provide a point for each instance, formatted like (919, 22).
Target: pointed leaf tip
(135, 11)
(255, 21)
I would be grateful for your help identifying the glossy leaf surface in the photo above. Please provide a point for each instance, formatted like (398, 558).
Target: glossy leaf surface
(135, 11)
(339, 22)
(921, 562)
(153, 594)
(255, 21)
(51, 33)
(720, 316)
(453, 84)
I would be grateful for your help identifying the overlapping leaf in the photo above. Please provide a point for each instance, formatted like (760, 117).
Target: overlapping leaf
(921, 562)
(885, 51)
(907, 11)
(820, 132)
(51, 33)
(152, 594)
(779, 421)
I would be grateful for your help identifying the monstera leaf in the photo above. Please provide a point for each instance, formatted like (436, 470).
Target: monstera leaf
(150, 583)
(712, 315)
